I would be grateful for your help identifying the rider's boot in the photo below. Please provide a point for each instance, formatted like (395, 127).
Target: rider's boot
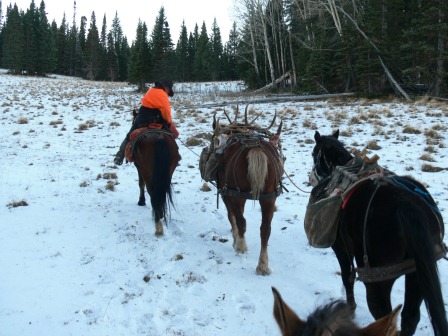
(119, 157)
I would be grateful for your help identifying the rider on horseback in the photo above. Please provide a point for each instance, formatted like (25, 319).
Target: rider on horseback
(155, 108)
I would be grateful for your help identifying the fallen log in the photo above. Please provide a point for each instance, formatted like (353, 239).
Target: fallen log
(275, 99)
(278, 80)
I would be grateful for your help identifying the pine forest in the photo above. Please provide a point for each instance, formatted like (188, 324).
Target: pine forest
(367, 47)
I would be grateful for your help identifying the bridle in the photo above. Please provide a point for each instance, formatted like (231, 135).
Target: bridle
(321, 168)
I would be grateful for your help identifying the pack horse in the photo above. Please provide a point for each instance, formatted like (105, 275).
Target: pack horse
(250, 168)
(389, 224)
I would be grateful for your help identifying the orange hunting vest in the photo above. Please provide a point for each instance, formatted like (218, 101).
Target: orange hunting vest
(158, 99)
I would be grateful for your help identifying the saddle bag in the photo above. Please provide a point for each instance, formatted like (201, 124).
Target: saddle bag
(203, 161)
(208, 164)
(322, 216)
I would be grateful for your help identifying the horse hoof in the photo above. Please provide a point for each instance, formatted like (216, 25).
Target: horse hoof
(263, 271)
(141, 203)
(159, 234)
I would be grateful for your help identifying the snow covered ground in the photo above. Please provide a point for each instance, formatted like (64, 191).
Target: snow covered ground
(74, 245)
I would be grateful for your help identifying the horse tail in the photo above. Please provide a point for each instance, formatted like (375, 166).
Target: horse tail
(257, 170)
(421, 246)
(161, 180)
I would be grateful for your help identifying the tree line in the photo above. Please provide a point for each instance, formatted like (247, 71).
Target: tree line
(308, 46)
(30, 44)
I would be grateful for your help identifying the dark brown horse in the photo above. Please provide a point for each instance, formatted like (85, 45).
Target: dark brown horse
(250, 168)
(333, 319)
(390, 226)
(156, 155)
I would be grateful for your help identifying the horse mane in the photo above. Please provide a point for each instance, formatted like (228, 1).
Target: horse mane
(337, 148)
(335, 318)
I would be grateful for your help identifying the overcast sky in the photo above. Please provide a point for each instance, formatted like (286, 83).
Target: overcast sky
(130, 11)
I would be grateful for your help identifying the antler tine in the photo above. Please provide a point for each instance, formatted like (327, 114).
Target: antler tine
(273, 121)
(227, 116)
(236, 115)
(214, 121)
(256, 117)
(245, 115)
(216, 129)
(279, 129)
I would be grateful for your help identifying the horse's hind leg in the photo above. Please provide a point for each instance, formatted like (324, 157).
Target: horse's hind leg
(348, 278)
(235, 209)
(159, 228)
(141, 184)
(378, 297)
(410, 316)
(267, 212)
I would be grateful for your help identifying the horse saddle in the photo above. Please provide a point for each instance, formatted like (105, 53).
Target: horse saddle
(136, 134)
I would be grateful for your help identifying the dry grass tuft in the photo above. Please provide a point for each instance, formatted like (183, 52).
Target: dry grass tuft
(17, 204)
(111, 185)
(427, 168)
(193, 141)
(373, 145)
(22, 120)
(411, 130)
(109, 176)
(427, 157)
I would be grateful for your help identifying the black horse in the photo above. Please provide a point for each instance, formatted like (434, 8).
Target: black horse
(391, 226)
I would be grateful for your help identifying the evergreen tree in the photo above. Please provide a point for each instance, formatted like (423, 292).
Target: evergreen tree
(182, 54)
(92, 52)
(203, 57)
(112, 58)
(103, 71)
(425, 42)
(13, 40)
(121, 48)
(216, 53)
(1, 33)
(162, 48)
(30, 39)
(74, 53)
(140, 59)
(45, 43)
(83, 33)
(61, 46)
(230, 55)
(191, 53)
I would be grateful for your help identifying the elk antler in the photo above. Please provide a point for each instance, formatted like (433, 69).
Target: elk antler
(236, 115)
(279, 129)
(216, 128)
(256, 117)
(214, 121)
(253, 120)
(228, 118)
(273, 121)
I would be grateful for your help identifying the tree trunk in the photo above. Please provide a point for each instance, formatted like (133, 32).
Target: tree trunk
(266, 42)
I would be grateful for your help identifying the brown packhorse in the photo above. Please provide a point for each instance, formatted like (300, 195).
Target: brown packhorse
(250, 168)
(335, 318)
(156, 156)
